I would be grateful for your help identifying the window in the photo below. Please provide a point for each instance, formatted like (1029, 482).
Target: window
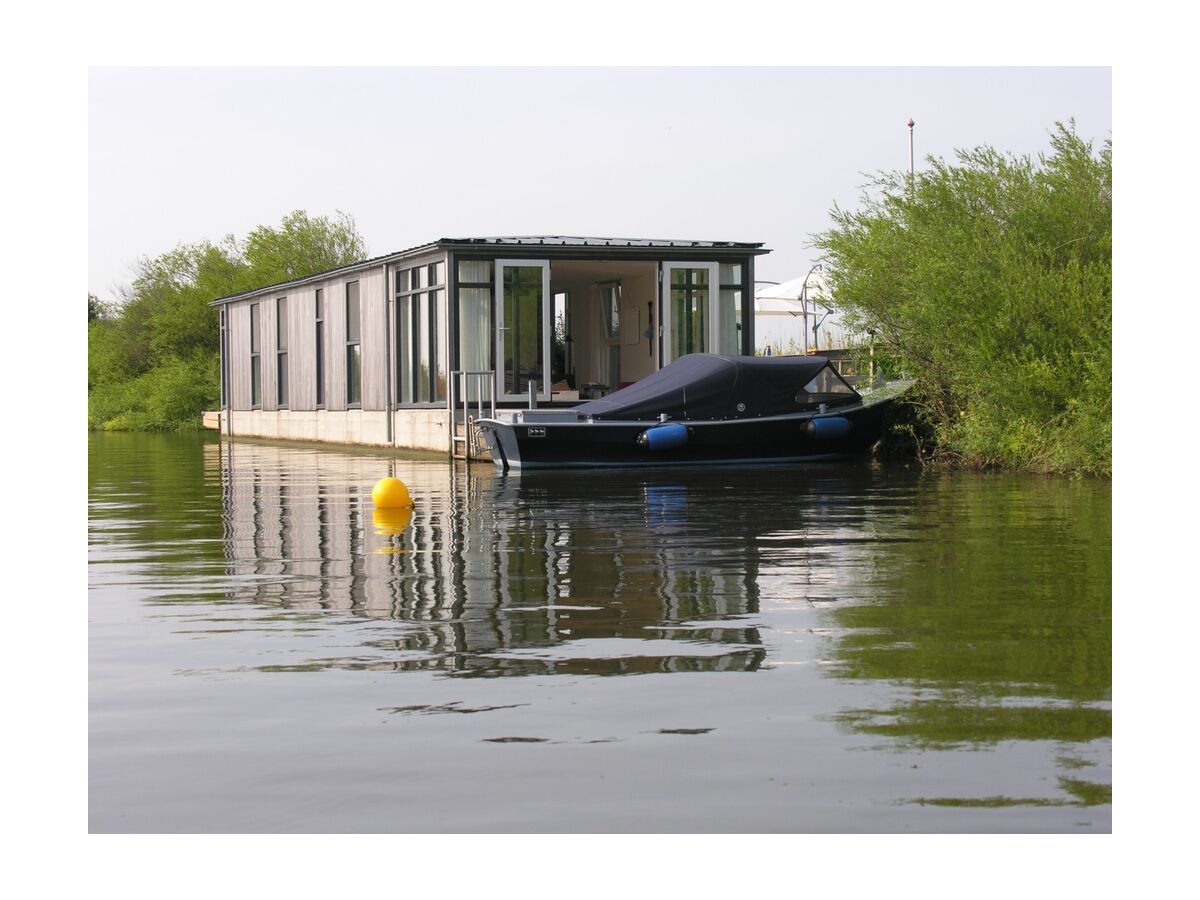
(421, 369)
(730, 309)
(353, 347)
(524, 305)
(320, 338)
(281, 353)
(689, 311)
(255, 362)
(562, 365)
(475, 318)
(826, 387)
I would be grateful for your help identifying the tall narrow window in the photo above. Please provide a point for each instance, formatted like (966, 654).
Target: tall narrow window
(523, 305)
(404, 367)
(475, 342)
(320, 337)
(422, 331)
(689, 311)
(730, 310)
(281, 353)
(255, 362)
(562, 368)
(441, 370)
(353, 347)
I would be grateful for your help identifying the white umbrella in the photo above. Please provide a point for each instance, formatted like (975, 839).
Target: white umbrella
(784, 299)
(791, 299)
(773, 306)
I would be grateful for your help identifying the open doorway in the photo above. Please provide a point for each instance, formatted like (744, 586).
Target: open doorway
(605, 333)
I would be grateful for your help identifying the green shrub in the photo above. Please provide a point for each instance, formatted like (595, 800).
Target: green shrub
(990, 281)
(152, 360)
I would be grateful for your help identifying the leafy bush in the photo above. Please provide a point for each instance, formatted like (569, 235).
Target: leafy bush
(991, 282)
(153, 359)
(166, 398)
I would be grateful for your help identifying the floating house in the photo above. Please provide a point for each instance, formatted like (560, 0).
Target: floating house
(382, 352)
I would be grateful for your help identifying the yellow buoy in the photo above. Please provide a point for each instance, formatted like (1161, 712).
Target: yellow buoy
(390, 493)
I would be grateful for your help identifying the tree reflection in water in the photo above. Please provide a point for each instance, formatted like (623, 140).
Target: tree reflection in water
(997, 622)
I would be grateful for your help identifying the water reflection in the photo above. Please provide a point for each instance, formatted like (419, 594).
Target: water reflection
(500, 576)
(938, 649)
(1000, 624)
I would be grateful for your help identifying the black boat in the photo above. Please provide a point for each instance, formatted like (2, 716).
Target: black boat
(701, 409)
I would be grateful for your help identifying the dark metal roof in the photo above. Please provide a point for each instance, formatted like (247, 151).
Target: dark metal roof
(561, 240)
(591, 246)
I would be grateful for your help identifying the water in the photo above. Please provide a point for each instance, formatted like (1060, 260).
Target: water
(830, 648)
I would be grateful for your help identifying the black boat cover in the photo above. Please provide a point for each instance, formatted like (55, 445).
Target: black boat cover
(706, 386)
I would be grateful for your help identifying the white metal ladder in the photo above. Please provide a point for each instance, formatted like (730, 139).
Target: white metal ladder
(464, 446)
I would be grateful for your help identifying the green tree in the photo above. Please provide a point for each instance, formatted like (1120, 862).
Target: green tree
(990, 281)
(97, 308)
(153, 359)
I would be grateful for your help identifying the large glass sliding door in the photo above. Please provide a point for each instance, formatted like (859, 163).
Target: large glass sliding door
(690, 315)
(523, 320)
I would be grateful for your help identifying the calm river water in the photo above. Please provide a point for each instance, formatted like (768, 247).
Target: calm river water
(830, 648)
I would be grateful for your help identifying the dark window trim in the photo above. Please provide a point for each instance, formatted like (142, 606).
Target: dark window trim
(667, 254)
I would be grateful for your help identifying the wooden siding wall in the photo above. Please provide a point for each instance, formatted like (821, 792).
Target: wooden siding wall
(238, 325)
(373, 293)
(302, 347)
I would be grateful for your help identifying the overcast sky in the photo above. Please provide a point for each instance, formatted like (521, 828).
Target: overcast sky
(417, 154)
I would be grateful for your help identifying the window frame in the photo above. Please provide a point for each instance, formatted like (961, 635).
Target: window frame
(739, 305)
(282, 382)
(319, 339)
(353, 348)
(421, 285)
(255, 356)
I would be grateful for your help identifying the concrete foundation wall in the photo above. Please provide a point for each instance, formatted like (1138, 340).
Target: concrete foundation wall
(414, 429)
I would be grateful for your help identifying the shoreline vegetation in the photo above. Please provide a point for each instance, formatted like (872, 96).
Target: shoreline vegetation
(153, 356)
(988, 280)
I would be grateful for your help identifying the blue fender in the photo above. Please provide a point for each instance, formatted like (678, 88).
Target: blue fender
(827, 428)
(664, 437)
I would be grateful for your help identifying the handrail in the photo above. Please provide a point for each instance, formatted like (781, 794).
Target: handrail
(461, 382)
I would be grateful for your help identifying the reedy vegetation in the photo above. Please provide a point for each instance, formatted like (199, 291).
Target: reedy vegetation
(153, 358)
(990, 282)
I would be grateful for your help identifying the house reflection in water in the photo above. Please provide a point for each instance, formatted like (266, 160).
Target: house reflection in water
(493, 576)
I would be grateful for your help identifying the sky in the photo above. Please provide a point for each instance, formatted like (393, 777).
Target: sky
(415, 154)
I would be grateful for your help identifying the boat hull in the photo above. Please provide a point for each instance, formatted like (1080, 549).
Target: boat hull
(539, 444)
